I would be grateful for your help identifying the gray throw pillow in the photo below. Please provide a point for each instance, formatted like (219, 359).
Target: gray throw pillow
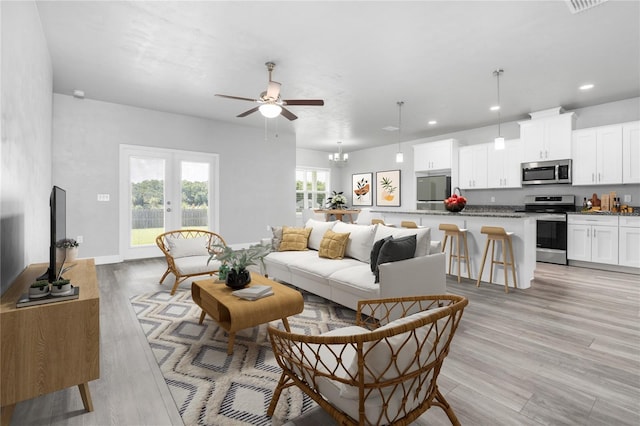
(394, 250)
(277, 237)
(375, 251)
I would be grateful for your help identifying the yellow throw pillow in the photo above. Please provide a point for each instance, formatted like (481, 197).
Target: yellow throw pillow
(333, 245)
(294, 239)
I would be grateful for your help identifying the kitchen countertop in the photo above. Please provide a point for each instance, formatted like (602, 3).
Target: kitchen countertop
(499, 211)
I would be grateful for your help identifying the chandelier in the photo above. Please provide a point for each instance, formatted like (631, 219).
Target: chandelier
(339, 158)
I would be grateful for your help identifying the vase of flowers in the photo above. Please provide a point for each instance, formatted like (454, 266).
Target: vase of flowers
(337, 201)
(67, 250)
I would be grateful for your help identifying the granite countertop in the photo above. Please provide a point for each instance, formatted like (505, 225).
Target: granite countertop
(636, 212)
(465, 212)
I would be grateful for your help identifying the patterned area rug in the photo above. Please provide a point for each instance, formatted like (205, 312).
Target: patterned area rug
(211, 388)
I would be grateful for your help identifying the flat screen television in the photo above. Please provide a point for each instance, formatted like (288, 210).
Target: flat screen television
(58, 220)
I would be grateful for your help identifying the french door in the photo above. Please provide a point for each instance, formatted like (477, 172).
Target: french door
(164, 190)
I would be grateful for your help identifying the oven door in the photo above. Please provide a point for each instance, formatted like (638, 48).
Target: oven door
(551, 239)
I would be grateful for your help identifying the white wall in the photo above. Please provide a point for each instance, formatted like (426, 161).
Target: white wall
(256, 176)
(25, 176)
(383, 158)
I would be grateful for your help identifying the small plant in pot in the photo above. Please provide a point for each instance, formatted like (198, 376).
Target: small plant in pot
(67, 250)
(61, 286)
(235, 263)
(39, 288)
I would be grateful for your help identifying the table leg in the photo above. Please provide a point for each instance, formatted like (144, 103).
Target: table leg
(232, 338)
(202, 315)
(85, 394)
(286, 324)
(7, 413)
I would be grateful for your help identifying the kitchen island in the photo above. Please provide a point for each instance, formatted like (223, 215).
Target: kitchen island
(523, 226)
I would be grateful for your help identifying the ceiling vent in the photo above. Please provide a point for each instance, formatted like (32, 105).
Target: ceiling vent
(577, 6)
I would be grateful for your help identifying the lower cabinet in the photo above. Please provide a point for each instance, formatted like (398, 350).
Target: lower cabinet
(592, 239)
(629, 244)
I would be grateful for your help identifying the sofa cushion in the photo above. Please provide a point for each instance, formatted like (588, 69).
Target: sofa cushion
(277, 237)
(375, 251)
(318, 229)
(360, 240)
(183, 247)
(333, 245)
(396, 249)
(294, 239)
(423, 237)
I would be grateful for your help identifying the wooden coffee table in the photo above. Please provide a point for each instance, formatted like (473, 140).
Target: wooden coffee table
(233, 313)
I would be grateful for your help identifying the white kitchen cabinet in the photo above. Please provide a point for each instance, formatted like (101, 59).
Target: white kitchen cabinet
(547, 138)
(503, 165)
(629, 241)
(631, 152)
(473, 166)
(597, 155)
(592, 238)
(439, 155)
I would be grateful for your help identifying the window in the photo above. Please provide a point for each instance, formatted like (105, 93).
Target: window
(312, 187)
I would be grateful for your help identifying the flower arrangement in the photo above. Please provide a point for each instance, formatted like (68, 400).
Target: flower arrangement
(238, 260)
(67, 243)
(337, 201)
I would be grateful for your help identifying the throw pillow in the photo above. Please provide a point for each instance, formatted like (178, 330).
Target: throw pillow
(277, 237)
(360, 240)
(375, 251)
(333, 245)
(318, 229)
(183, 247)
(294, 239)
(394, 250)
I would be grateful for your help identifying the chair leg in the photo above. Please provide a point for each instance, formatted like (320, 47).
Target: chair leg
(484, 258)
(176, 284)
(276, 395)
(165, 275)
(442, 402)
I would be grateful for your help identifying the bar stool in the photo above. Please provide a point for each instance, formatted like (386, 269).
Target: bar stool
(497, 233)
(376, 221)
(408, 224)
(451, 230)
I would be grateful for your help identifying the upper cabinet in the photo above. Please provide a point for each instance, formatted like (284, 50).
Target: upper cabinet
(439, 155)
(547, 136)
(597, 155)
(631, 152)
(473, 167)
(503, 166)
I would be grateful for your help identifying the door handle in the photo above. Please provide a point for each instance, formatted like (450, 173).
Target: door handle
(169, 209)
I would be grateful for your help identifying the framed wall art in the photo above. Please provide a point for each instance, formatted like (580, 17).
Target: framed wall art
(362, 189)
(388, 188)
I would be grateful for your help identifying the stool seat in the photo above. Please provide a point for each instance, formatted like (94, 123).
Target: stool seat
(452, 231)
(497, 233)
(408, 224)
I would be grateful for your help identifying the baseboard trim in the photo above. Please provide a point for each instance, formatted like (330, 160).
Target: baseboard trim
(105, 260)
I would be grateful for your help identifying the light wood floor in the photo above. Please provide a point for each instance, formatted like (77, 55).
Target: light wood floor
(566, 351)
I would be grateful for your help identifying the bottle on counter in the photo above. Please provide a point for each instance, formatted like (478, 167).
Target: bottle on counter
(584, 204)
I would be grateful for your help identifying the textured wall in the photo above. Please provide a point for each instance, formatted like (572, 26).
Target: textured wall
(25, 152)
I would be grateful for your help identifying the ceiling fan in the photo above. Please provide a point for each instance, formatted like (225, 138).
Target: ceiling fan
(270, 104)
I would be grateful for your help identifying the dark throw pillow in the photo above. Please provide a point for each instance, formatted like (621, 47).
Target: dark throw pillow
(394, 250)
(375, 251)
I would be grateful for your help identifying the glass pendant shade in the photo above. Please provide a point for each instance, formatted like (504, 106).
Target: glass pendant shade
(270, 110)
(399, 157)
(498, 143)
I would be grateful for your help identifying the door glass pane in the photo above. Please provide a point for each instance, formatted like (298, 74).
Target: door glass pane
(147, 187)
(195, 195)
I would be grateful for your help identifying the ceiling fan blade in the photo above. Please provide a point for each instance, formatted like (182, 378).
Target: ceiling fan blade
(312, 102)
(237, 97)
(251, 111)
(288, 114)
(273, 90)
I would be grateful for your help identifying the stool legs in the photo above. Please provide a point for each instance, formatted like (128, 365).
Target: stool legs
(506, 261)
(457, 255)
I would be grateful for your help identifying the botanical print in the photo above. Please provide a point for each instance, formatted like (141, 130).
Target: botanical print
(361, 187)
(388, 188)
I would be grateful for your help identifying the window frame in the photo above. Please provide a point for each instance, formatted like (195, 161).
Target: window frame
(312, 193)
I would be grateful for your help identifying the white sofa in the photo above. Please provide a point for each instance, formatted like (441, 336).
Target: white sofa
(347, 280)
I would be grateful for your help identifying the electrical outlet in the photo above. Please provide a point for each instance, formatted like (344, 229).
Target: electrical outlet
(493, 199)
(627, 198)
(80, 239)
(103, 197)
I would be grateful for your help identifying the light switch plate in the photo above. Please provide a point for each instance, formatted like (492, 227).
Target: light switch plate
(103, 197)
(627, 198)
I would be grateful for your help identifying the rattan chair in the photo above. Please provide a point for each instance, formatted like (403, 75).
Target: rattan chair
(376, 372)
(191, 265)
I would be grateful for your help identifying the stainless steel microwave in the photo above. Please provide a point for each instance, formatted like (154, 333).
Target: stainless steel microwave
(546, 172)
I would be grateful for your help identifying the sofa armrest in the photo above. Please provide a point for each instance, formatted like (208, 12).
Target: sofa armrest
(417, 276)
(435, 247)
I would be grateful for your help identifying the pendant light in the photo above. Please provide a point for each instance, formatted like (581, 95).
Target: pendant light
(399, 154)
(498, 143)
(338, 158)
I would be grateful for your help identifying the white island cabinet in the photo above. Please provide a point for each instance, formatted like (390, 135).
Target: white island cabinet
(629, 242)
(592, 238)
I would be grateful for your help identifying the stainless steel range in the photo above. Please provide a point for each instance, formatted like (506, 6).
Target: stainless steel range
(551, 225)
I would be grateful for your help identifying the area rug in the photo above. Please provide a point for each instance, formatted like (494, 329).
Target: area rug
(211, 387)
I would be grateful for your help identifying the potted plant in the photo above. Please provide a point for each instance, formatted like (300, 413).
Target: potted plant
(235, 262)
(38, 289)
(337, 201)
(60, 287)
(67, 250)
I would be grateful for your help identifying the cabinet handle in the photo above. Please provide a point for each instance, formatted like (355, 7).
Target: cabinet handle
(588, 233)
(593, 177)
(599, 177)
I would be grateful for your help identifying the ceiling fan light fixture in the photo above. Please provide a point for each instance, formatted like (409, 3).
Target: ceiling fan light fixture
(270, 110)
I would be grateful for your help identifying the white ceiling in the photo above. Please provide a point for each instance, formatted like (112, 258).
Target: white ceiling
(360, 57)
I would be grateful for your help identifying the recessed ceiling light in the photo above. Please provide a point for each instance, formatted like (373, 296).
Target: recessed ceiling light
(586, 87)
(77, 93)
(390, 128)
(495, 108)
(432, 122)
